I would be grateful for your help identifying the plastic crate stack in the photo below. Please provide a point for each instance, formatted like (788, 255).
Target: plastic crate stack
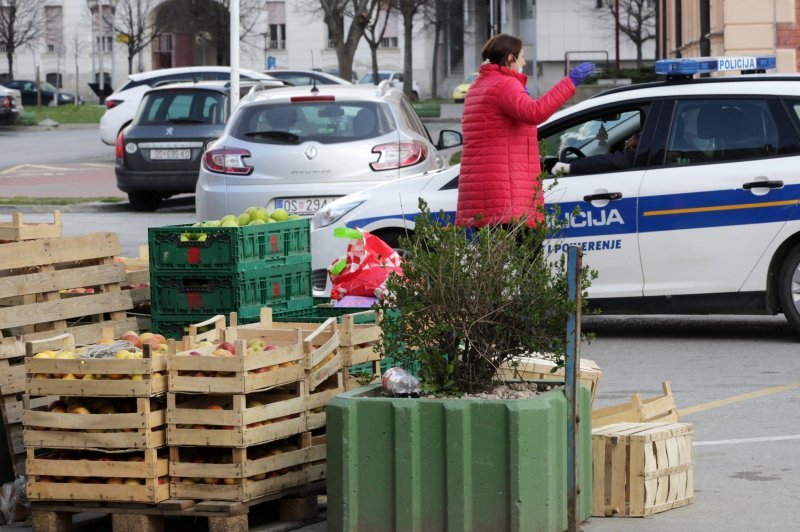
(199, 272)
(95, 429)
(245, 410)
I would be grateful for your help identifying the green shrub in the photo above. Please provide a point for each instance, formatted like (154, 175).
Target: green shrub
(468, 301)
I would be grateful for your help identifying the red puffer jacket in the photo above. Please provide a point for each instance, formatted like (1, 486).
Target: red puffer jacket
(500, 159)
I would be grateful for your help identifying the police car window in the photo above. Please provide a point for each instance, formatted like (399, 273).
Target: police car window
(598, 134)
(721, 130)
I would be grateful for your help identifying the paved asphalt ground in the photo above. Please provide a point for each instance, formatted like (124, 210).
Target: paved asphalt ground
(736, 379)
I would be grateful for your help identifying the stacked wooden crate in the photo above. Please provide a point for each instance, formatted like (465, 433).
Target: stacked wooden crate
(104, 438)
(244, 410)
(199, 272)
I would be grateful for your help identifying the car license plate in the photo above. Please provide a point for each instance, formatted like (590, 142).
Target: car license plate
(170, 155)
(302, 205)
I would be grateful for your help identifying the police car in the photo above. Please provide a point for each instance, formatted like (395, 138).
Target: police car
(705, 221)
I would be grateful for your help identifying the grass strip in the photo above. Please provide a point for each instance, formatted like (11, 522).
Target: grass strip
(26, 200)
(64, 114)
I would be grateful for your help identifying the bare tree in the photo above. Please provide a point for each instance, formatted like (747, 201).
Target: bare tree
(408, 9)
(374, 32)
(133, 28)
(22, 23)
(637, 21)
(359, 13)
(77, 47)
(436, 14)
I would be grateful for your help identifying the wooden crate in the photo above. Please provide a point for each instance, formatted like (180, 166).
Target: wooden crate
(638, 410)
(234, 421)
(34, 273)
(534, 368)
(17, 230)
(640, 469)
(319, 399)
(136, 477)
(247, 473)
(197, 370)
(323, 356)
(142, 426)
(145, 377)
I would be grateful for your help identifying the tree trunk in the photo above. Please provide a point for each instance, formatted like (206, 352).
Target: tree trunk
(344, 56)
(130, 62)
(408, 9)
(10, 58)
(374, 53)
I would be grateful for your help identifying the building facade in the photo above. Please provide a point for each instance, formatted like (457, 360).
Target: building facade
(691, 28)
(80, 44)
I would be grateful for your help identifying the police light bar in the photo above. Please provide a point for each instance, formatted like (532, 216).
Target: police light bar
(705, 65)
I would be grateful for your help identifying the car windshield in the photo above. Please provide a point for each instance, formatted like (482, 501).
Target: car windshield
(470, 78)
(182, 107)
(45, 86)
(367, 78)
(325, 122)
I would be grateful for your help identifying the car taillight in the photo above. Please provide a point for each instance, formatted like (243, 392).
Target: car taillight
(399, 155)
(110, 104)
(5, 102)
(119, 151)
(227, 161)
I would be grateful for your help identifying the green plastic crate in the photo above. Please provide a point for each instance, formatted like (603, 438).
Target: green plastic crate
(318, 314)
(212, 293)
(230, 248)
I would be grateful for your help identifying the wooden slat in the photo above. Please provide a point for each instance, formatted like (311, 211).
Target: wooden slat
(17, 229)
(74, 307)
(53, 281)
(89, 333)
(58, 250)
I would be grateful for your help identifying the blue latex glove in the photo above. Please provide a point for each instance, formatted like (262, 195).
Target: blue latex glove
(581, 72)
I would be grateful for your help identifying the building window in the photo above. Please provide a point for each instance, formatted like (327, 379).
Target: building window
(53, 27)
(276, 18)
(54, 78)
(103, 29)
(598, 4)
(389, 42)
(390, 32)
(3, 47)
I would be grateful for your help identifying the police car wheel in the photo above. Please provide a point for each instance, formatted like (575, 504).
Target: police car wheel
(789, 287)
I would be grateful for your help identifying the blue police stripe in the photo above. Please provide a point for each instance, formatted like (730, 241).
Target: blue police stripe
(716, 208)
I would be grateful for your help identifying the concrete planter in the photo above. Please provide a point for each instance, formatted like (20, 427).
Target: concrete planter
(455, 465)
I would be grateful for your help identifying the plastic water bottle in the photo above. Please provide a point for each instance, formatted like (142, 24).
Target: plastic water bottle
(397, 382)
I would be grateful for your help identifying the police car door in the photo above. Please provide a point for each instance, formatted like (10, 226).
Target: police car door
(598, 211)
(710, 211)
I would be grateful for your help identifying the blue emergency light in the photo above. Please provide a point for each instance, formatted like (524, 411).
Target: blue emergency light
(687, 67)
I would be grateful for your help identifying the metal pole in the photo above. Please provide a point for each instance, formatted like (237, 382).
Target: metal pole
(234, 53)
(535, 55)
(573, 362)
(102, 51)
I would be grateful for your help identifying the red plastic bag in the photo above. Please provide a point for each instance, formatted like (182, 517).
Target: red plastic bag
(365, 267)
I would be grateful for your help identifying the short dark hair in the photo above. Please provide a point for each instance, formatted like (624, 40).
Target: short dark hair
(497, 48)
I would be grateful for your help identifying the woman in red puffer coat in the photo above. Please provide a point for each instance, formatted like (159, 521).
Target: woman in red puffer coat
(500, 166)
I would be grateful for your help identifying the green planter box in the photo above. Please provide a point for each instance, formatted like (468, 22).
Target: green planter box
(452, 465)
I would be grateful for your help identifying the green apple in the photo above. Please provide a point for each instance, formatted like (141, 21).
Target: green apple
(201, 237)
(230, 223)
(212, 223)
(262, 214)
(250, 210)
(229, 218)
(257, 221)
(243, 219)
(270, 221)
(186, 237)
(279, 215)
(294, 217)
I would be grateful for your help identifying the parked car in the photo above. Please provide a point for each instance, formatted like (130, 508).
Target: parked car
(9, 105)
(121, 106)
(159, 154)
(395, 78)
(28, 90)
(705, 222)
(299, 149)
(307, 77)
(460, 92)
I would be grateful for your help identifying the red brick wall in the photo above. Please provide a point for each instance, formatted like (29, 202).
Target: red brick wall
(788, 35)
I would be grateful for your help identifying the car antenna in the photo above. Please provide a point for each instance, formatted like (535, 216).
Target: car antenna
(314, 88)
(194, 77)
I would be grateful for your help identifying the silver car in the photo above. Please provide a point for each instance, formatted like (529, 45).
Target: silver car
(299, 149)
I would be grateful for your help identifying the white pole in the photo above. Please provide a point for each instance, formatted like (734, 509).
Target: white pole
(102, 50)
(234, 53)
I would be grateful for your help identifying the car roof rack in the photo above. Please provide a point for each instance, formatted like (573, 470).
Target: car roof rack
(383, 87)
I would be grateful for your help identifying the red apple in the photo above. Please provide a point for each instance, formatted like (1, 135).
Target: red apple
(227, 346)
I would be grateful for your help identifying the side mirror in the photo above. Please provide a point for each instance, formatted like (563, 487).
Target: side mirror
(449, 139)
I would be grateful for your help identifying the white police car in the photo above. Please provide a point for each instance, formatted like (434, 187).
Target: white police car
(705, 221)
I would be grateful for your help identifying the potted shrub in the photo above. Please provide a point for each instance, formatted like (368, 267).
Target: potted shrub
(454, 459)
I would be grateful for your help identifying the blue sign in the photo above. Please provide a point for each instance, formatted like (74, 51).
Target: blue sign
(272, 63)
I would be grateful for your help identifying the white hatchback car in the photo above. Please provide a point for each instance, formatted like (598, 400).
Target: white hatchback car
(299, 148)
(705, 221)
(122, 104)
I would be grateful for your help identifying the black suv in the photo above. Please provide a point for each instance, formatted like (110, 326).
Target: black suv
(159, 154)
